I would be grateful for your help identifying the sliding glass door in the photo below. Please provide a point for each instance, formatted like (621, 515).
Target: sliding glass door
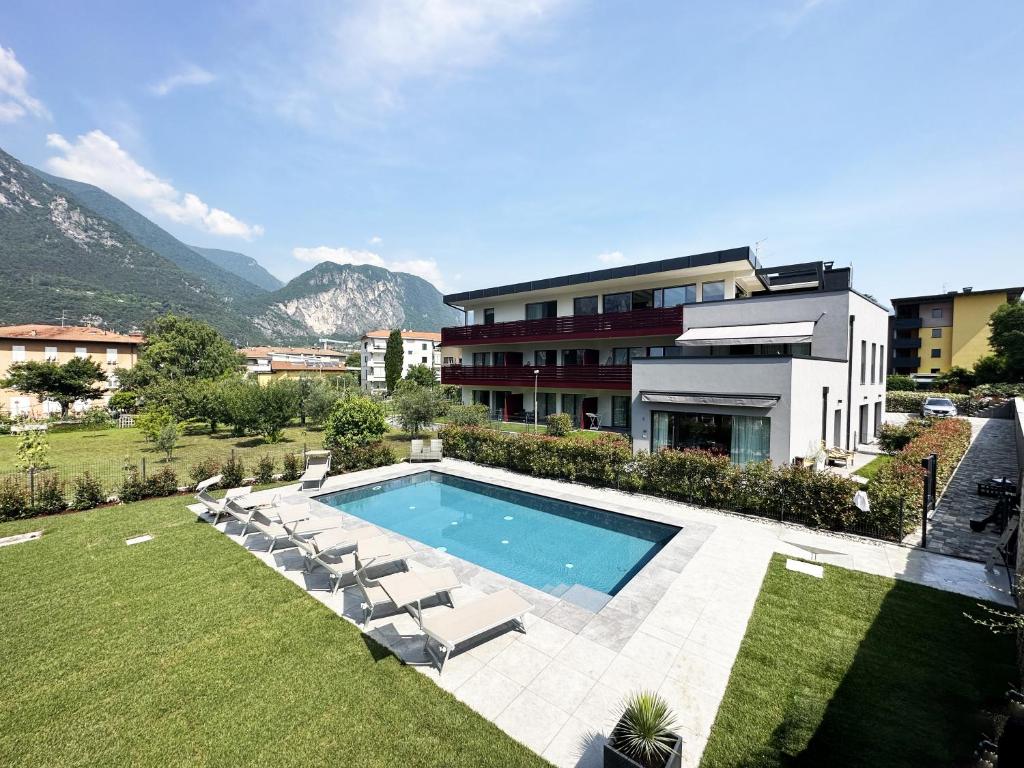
(742, 438)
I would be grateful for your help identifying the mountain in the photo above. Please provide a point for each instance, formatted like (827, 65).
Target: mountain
(225, 282)
(346, 300)
(246, 267)
(58, 254)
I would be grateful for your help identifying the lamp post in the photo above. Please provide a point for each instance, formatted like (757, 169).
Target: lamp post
(536, 373)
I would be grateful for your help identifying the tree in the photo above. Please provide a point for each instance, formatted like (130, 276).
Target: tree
(158, 426)
(277, 404)
(354, 360)
(320, 400)
(897, 382)
(64, 384)
(416, 407)
(167, 438)
(421, 375)
(355, 421)
(33, 450)
(393, 360)
(180, 348)
(1007, 338)
(956, 379)
(991, 369)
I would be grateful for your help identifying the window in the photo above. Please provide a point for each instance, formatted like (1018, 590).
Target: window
(936, 352)
(489, 316)
(643, 299)
(480, 358)
(677, 296)
(874, 352)
(936, 333)
(863, 361)
(881, 363)
(547, 403)
(112, 355)
(50, 354)
(936, 312)
(81, 352)
(935, 370)
(18, 353)
(408, 351)
(423, 359)
(664, 352)
(541, 309)
(424, 346)
(545, 357)
(617, 302)
(620, 410)
(584, 305)
(742, 438)
(713, 291)
(572, 405)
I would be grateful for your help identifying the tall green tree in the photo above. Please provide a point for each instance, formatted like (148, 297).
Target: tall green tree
(178, 348)
(74, 380)
(1007, 338)
(422, 375)
(393, 357)
(416, 407)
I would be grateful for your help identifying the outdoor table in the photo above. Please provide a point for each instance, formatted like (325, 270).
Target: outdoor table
(408, 588)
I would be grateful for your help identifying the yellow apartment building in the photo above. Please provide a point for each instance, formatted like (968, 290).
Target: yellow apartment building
(21, 343)
(929, 335)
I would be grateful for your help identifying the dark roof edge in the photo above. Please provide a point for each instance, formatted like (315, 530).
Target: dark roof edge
(744, 253)
(954, 294)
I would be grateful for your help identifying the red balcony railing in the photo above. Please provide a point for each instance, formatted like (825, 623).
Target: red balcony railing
(639, 322)
(550, 376)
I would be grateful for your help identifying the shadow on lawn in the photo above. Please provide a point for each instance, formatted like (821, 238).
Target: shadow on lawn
(905, 699)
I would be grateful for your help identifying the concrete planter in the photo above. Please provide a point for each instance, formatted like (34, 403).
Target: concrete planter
(615, 759)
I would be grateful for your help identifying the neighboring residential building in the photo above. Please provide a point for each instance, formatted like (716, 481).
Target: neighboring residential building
(931, 334)
(21, 343)
(418, 348)
(267, 363)
(709, 350)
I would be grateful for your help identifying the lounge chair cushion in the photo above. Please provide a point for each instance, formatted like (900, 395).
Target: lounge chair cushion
(467, 621)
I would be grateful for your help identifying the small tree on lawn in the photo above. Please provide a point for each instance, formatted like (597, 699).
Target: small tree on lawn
(416, 407)
(158, 426)
(33, 450)
(393, 360)
(320, 400)
(355, 421)
(421, 375)
(64, 384)
(167, 438)
(277, 404)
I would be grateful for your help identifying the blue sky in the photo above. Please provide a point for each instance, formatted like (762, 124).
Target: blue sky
(479, 143)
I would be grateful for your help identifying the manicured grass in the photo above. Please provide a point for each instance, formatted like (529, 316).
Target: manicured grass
(187, 651)
(857, 670)
(868, 470)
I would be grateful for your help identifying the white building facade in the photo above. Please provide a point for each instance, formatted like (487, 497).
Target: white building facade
(418, 348)
(708, 351)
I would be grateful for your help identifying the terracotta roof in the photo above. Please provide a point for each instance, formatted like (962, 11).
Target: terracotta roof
(409, 335)
(68, 333)
(266, 351)
(288, 365)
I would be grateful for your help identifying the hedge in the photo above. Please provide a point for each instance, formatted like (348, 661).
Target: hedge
(820, 499)
(911, 402)
(900, 481)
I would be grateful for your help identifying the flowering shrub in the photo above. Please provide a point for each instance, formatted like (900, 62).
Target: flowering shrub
(203, 469)
(265, 470)
(13, 499)
(233, 472)
(87, 492)
(163, 482)
(49, 496)
(893, 438)
(291, 467)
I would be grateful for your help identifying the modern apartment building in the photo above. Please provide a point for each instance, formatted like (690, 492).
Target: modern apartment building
(58, 344)
(931, 334)
(709, 350)
(418, 348)
(268, 363)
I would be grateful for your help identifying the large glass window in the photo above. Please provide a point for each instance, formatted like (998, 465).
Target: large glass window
(541, 309)
(545, 357)
(620, 410)
(677, 296)
(480, 358)
(713, 291)
(584, 305)
(572, 405)
(664, 351)
(547, 403)
(742, 438)
(489, 316)
(617, 302)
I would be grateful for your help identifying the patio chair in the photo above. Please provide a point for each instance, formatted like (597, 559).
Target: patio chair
(438, 581)
(331, 542)
(318, 464)
(277, 531)
(416, 450)
(466, 622)
(436, 451)
(216, 507)
(379, 550)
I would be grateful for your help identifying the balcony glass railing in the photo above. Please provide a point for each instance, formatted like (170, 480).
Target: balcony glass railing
(639, 322)
(549, 376)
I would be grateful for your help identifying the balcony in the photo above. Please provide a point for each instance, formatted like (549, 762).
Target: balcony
(906, 343)
(906, 323)
(550, 377)
(639, 322)
(906, 362)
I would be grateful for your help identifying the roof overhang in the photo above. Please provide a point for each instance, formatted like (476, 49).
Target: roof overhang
(707, 398)
(765, 333)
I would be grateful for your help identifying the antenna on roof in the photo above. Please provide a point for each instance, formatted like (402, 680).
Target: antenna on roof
(757, 247)
(63, 317)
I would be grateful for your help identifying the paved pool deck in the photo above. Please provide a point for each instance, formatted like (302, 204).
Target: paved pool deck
(675, 628)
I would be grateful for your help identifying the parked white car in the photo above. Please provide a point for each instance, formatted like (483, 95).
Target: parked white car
(938, 406)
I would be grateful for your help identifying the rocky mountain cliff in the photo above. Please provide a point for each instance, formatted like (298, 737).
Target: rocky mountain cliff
(345, 300)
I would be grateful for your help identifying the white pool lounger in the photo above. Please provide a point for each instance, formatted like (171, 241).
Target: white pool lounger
(466, 622)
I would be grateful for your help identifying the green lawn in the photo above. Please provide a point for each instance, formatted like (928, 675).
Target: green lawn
(857, 670)
(868, 470)
(187, 651)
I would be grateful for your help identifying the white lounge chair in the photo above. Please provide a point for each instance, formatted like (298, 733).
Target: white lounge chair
(435, 452)
(216, 507)
(420, 450)
(405, 590)
(466, 622)
(332, 542)
(318, 464)
(415, 450)
(377, 550)
(277, 531)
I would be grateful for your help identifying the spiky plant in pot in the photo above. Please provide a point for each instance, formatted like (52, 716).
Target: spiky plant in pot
(645, 733)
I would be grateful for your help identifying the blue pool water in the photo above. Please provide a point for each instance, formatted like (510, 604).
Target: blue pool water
(547, 543)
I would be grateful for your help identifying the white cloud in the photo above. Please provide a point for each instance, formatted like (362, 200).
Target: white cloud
(96, 158)
(376, 240)
(612, 257)
(190, 75)
(15, 101)
(425, 268)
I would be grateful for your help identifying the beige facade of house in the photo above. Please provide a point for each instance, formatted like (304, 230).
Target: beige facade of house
(53, 343)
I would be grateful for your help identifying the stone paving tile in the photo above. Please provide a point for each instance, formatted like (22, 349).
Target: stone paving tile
(532, 721)
(488, 692)
(520, 662)
(578, 744)
(561, 685)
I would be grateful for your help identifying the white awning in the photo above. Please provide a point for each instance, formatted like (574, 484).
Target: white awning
(707, 398)
(767, 333)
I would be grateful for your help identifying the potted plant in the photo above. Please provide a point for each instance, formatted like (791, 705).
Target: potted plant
(644, 736)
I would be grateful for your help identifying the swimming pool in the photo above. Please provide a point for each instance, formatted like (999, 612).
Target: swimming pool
(546, 543)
